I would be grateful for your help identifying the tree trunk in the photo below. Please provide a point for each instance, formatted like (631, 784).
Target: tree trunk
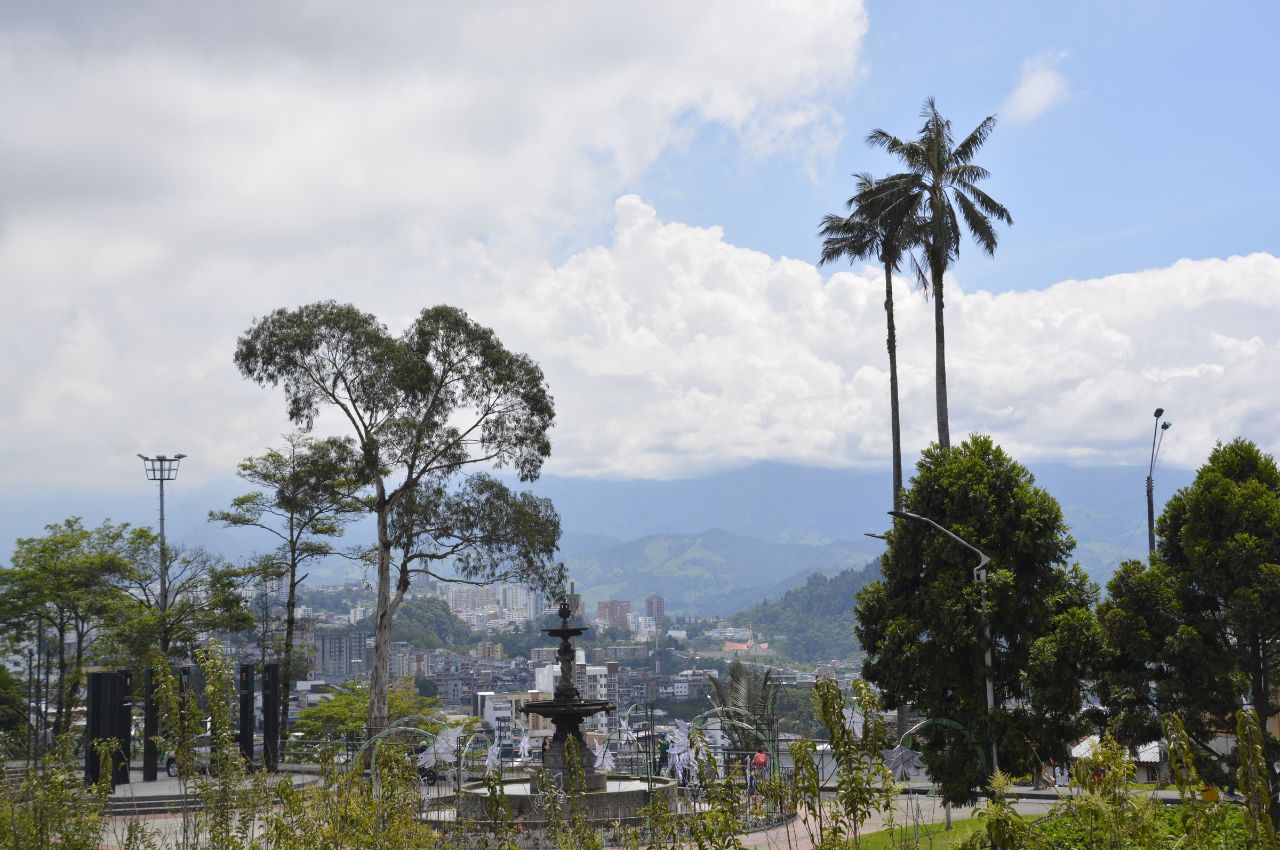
(894, 422)
(377, 718)
(60, 720)
(940, 361)
(286, 685)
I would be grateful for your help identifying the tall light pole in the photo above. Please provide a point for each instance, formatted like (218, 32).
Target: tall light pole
(162, 468)
(1157, 440)
(980, 576)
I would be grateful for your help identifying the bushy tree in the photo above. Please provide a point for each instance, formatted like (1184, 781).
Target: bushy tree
(922, 624)
(1196, 631)
(66, 584)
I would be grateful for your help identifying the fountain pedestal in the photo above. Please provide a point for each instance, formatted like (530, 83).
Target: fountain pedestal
(567, 710)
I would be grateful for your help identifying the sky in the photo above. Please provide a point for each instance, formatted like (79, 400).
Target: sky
(630, 194)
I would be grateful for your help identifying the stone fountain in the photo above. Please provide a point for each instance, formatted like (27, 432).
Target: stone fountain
(567, 709)
(607, 798)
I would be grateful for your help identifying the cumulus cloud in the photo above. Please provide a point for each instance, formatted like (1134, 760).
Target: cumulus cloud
(674, 352)
(171, 179)
(173, 170)
(1040, 88)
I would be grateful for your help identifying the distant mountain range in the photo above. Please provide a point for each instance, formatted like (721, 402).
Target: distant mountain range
(713, 573)
(716, 544)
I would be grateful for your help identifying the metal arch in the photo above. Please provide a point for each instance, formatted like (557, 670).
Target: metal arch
(908, 736)
(763, 733)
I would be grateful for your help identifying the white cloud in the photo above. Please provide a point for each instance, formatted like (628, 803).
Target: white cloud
(170, 179)
(173, 170)
(1040, 88)
(673, 352)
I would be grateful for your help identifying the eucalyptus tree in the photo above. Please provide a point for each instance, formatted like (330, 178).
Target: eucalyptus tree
(888, 236)
(940, 176)
(425, 408)
(306, 496)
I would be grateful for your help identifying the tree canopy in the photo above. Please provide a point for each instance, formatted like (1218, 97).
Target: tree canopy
(1196, 631)
(66, 585)
(425, 408)
(922, 624)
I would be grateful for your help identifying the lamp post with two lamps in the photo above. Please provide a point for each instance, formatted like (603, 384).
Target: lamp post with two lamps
(980, 576)
(1157, 440)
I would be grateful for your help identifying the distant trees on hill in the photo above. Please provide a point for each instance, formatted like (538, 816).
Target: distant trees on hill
(813, 622)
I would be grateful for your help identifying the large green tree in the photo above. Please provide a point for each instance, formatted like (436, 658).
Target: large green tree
(940, 177)
(887, 235)
(65, 583)
(922, 625)
(305, 496)
(427, 407)
(1197, 631)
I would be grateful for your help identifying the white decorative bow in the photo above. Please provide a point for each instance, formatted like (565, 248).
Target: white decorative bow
(604, 758)
(493, 758)
(523, 747)
(443, 749)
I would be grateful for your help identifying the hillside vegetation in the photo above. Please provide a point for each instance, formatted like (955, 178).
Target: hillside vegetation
(813, 622)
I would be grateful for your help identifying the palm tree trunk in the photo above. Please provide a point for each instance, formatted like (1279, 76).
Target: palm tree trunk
(894, 422)
(940, 360)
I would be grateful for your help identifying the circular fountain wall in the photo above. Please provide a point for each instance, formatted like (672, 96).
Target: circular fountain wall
(621, 799)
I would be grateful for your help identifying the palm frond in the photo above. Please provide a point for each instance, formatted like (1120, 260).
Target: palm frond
(966, 149)
(979, 225)
(966, 173)
(921, 271)
(848, 237)
(988, 204)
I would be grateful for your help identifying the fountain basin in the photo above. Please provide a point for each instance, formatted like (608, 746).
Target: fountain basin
(620, 799)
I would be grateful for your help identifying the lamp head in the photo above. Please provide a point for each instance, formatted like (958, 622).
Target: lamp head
(179, 456)
(1165, 426)
(1159, 412)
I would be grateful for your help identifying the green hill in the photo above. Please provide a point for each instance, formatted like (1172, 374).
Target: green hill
(713, 573)
(813, 622)
(427, 623)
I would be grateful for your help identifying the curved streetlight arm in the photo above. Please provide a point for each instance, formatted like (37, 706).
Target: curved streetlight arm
(980, 571)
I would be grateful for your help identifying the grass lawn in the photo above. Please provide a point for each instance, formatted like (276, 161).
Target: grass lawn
(933, 836)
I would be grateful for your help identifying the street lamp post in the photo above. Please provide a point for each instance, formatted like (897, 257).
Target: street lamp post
(1157, 440)
(980, 576)
(161, 468)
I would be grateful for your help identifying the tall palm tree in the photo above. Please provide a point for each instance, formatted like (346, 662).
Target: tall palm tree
(940, 176)
(866, 233)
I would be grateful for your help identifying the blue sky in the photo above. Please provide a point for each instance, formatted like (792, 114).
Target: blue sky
(630, 195)
(1146, 158)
